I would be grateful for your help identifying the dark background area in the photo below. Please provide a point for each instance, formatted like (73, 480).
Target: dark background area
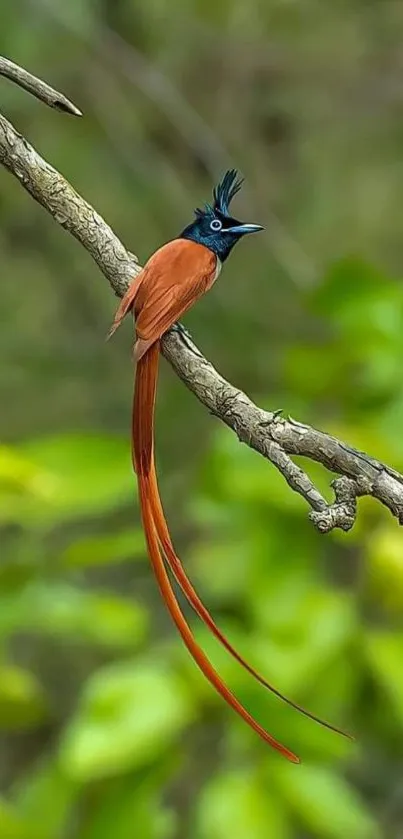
(107, 728)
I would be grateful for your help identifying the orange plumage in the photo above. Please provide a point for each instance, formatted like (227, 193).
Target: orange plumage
(173, 279)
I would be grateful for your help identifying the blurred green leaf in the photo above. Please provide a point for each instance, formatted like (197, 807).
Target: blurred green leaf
(129, 713)
(136, 800)
(22, 483)
(308, 631)
(362, 301)
(101, 618)
(13, 825)
(385, 556)
(324, 802)
(385, 653)
(221, 566)
(315, 371)
(238, 804)
(66, 611)
(105, 549)
(20, 474)
(22, 699)
(77, 476)
(45, 799)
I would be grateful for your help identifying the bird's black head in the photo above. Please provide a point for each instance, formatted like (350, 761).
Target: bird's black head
(214, 227)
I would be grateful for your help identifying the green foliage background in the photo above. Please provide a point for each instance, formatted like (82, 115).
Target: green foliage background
(107, 728)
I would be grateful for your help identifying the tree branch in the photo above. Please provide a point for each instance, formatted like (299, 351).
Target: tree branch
(37, 87)
(272, 436)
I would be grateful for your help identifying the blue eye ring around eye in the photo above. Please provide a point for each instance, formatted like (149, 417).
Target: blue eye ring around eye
(215, 225)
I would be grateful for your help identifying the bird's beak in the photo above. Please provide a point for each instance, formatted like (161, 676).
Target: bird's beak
(244, 228)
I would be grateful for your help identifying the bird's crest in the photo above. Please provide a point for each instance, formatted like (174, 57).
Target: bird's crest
(223, 194)
(226, 190)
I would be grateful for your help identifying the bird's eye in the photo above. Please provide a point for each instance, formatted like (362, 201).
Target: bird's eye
(216, 224)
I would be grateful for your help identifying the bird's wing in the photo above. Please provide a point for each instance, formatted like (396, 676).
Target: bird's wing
(127, 302)
(173, 279)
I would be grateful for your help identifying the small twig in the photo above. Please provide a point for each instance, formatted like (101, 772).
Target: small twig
(296, 478)
(37, 87)
(273, 437)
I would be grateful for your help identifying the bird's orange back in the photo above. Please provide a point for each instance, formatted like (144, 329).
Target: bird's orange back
(172, 280)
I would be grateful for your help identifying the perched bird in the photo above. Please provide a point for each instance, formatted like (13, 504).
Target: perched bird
(174, 277)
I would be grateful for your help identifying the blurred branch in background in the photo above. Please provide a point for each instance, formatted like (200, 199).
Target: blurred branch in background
(112, 50)
(267, 433)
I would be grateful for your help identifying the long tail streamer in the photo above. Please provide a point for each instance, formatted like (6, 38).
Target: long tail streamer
(158, 536)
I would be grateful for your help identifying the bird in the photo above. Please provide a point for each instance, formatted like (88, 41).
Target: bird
(172, 280)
